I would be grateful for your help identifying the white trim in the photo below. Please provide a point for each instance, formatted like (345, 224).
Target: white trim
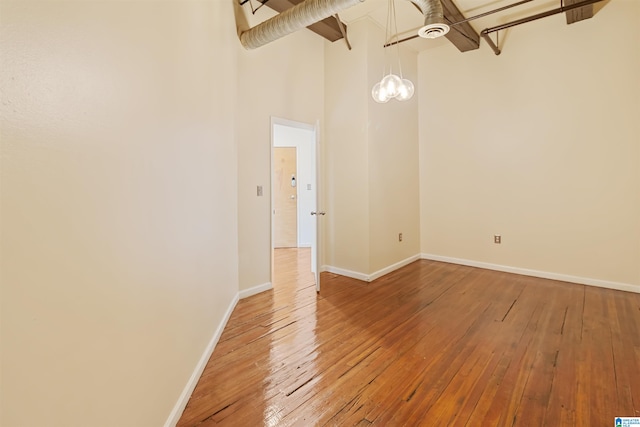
(181, 404)
(315, 159)
(347, 273)
(255, 290)
(291, 123)
(393, 267)
(178, 409)
(373, 276)
(536, 273)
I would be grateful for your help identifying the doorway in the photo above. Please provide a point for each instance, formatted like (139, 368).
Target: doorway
(285, 197)
(294, 198)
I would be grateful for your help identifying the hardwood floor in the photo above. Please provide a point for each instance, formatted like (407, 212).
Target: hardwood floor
(430, 344)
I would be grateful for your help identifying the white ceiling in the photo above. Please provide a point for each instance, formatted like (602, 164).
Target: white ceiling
(409, 18)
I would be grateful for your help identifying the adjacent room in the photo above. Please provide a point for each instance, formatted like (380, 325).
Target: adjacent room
(467, 253)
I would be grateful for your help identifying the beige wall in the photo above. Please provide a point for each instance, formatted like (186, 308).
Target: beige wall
(134, 134)
(346, 169)
(540, 144)
(283, 79)
(393, 162)
(372, 158)
(118, 205)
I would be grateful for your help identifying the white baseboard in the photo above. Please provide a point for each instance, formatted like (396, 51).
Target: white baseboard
(536, 273)
(373, 276)
(347, 273)
(255, 290)
(178, 409)
(393, 267)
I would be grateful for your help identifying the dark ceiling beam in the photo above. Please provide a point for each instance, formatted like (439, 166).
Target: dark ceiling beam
(327, 28)
(562, 9)
(463, 36)
(575, 15)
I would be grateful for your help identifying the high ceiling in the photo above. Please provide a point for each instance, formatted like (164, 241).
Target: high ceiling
(409, 18)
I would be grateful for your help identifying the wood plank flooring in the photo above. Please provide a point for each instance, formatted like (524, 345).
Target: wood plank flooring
(430, 344)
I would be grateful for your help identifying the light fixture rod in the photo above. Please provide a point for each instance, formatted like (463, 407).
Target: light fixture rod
(485, 33)
(539, 16)
(491, 12)
(482, 15)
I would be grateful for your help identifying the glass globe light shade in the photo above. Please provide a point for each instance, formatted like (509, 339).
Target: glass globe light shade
(391, 83)
(401, 90)
(405, 91)
(379, 94)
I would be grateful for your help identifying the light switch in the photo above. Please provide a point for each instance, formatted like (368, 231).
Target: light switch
(259, 190)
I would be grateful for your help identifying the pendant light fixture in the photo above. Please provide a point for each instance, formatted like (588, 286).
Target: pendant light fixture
(392, 85)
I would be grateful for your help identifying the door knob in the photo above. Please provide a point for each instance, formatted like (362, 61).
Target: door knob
(318, 213)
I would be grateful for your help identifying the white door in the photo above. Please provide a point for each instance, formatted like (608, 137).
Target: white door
(288, 133)
(318, 214)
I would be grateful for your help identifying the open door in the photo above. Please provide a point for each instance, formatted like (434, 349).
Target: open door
(302, 139)
(317, 213)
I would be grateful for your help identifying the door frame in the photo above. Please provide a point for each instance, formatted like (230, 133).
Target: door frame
(312, 127)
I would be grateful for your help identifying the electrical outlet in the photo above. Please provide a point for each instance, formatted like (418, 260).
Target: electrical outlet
(497, 239)
(399, 237)
(259, 190)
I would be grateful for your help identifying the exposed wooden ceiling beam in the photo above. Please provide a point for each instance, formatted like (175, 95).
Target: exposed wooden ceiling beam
(575, 15)
(327, 28)
(463, 36)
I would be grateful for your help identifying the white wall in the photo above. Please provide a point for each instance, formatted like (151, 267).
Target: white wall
(346, 185)
(394, 196)
(372, 159)
(118, 205)
(129, 217)
(283, 79)
(304, 142)
(540, 144)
